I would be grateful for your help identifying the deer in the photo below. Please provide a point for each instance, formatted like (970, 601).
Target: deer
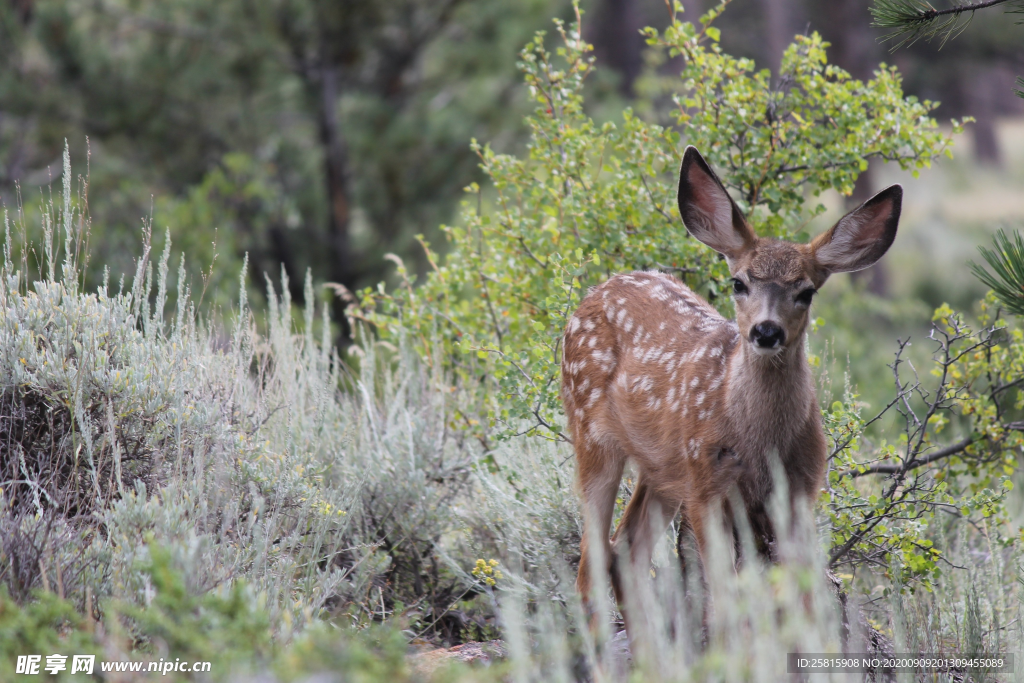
(652, 373)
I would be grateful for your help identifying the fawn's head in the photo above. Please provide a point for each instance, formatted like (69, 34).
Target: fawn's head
(773, 280)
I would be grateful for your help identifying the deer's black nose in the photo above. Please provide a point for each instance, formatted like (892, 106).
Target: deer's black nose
(767, 335)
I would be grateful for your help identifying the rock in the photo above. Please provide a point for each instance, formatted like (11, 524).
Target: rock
(426, 663)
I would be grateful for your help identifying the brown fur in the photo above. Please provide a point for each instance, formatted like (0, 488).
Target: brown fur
(653, 374)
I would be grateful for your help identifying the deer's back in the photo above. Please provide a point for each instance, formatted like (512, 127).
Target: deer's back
(645, 367)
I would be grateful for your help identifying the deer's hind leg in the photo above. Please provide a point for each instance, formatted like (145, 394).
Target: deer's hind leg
(646, 517)
(600, 468)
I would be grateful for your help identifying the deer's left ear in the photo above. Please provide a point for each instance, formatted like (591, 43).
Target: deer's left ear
(708, 211)
(862, 236)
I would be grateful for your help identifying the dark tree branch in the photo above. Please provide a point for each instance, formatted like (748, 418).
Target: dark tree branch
(911, 465)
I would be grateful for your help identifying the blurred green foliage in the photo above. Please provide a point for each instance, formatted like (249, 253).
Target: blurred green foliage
(233, 117)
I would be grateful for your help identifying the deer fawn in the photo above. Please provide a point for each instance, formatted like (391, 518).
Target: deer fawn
(651, 372)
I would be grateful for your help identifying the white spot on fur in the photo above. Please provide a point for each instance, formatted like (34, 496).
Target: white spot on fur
(594, 432)
(643, 383)
(639, 333)
(695, 381)
(574, 324)
(717, 382)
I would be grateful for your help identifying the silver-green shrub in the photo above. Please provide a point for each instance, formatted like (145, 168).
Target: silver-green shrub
(247, 455)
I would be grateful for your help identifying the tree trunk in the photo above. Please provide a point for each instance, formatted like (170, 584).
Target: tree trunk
(617, 40)
(981, 87)
(848, 28)
(779, 30)
(336, 175)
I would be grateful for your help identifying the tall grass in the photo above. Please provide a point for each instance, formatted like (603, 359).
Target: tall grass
(160, 464)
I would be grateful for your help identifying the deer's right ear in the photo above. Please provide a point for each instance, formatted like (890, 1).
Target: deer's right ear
(862, 236)
(708, 211)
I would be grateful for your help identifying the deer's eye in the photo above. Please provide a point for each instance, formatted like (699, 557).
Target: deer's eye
(738, 287)
(804, 297)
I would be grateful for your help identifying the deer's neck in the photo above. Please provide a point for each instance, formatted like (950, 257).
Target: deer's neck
(770, 397)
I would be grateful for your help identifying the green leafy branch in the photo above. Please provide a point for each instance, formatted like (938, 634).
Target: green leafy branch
(880, 505)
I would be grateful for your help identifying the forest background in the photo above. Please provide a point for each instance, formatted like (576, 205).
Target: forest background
(323, 135)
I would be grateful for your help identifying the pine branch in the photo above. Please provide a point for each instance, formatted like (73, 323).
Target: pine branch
(1007, 263)
(912, 20)
(1020, 83)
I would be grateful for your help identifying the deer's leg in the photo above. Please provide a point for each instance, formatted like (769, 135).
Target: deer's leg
(645, 519)
(763, 531)
(694, 585)
(600, 471)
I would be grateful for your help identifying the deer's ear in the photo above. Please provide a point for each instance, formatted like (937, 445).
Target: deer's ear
(862, 236)
(708, 211)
